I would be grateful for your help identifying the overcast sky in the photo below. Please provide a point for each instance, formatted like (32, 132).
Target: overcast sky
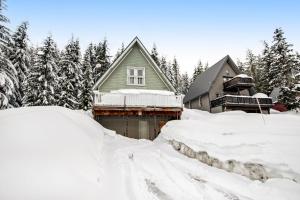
(189, 30)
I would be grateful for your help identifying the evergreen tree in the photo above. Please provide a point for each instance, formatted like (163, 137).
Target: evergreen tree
(20, 58)
(42, 84)
(283, 64)
(240, 65)
(87, 95)
(120, 51)
(71, 76)
(169, 71)
(251, 64)
(154, 55)
(288, 96)
(102, 59)
(265, 64)
(175, 76)
(8, 73)
(163, 65)
(198, 70)
(185, 83)
(253, 69)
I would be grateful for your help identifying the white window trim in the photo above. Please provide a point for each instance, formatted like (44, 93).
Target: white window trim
(136, 76)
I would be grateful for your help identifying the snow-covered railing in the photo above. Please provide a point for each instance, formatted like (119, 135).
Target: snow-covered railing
(137, 100)
(241, 100)
(239, 81)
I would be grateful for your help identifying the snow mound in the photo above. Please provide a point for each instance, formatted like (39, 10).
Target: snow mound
(49, 153)
(243, 137)
(260, 95)
(243, 76)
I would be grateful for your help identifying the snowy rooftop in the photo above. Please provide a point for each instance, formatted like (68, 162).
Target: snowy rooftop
(138, 98)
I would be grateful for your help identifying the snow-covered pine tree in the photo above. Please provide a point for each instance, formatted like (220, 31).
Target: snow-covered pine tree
(175, 78)
(87, 94)
(185, 83)
(154, 55)
(283, 64)
(41, 86)
(20, 57)
(240, 65)
(264, 65)
(102, 59)
(71, 76)
(163, 65)
(253, 69)
(197, 70)
(284, 60)
(8, 74)
(251, 64)
(119, 52)
(169, 72)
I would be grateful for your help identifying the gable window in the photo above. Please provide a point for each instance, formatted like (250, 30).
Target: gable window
(136, 76)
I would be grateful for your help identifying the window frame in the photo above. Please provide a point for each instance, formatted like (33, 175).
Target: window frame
(136, 76)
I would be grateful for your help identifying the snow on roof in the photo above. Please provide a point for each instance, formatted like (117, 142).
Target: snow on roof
(142, 91)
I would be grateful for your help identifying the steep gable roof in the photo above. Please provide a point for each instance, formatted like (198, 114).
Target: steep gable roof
(148, 57)
(204, 81)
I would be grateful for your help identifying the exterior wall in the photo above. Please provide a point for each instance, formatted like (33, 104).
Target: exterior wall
(217, 109)
(217, 87)
(256, 110)
(130, 126)
(204, 103)
(118, 79)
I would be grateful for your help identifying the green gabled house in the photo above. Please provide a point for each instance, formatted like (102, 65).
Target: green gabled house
(134, 97)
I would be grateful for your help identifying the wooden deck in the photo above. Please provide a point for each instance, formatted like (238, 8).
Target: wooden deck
(242, 102)
(173, 112)
(238, 83)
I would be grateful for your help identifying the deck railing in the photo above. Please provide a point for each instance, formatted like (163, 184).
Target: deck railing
(241, 100)
(239, 81)
(137, 100)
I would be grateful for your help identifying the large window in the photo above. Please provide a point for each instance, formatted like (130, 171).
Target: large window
(136, 76)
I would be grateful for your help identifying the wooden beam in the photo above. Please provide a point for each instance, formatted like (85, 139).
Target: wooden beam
(122, 111)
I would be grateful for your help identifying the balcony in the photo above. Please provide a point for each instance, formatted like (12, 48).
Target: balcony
(238, 83)
(137, 100)
(242, 101)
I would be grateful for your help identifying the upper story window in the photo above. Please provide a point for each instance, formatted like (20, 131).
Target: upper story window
(136, 76)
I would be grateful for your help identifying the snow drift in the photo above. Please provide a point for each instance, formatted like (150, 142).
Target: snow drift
(49, 153)
(240, 139)
(56, 153)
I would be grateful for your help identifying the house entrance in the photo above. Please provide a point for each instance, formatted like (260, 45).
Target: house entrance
(143, 129)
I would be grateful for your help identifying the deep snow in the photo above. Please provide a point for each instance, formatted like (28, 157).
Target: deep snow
(55, 153)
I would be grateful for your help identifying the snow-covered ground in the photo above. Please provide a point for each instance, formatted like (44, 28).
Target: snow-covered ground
(56, 153)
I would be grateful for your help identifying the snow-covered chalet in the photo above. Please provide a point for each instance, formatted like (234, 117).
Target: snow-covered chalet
(134, 97)
(223, 88)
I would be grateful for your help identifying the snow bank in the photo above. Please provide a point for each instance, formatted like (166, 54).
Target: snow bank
(243, 76)
(260, 95)
(141, 91)
(242, 137)
(49, 153)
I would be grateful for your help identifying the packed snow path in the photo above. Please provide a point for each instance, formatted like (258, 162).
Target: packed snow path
(141, 169)
(146, 170)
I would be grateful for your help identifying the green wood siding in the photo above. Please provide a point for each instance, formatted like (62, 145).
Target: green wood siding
(118, 79)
